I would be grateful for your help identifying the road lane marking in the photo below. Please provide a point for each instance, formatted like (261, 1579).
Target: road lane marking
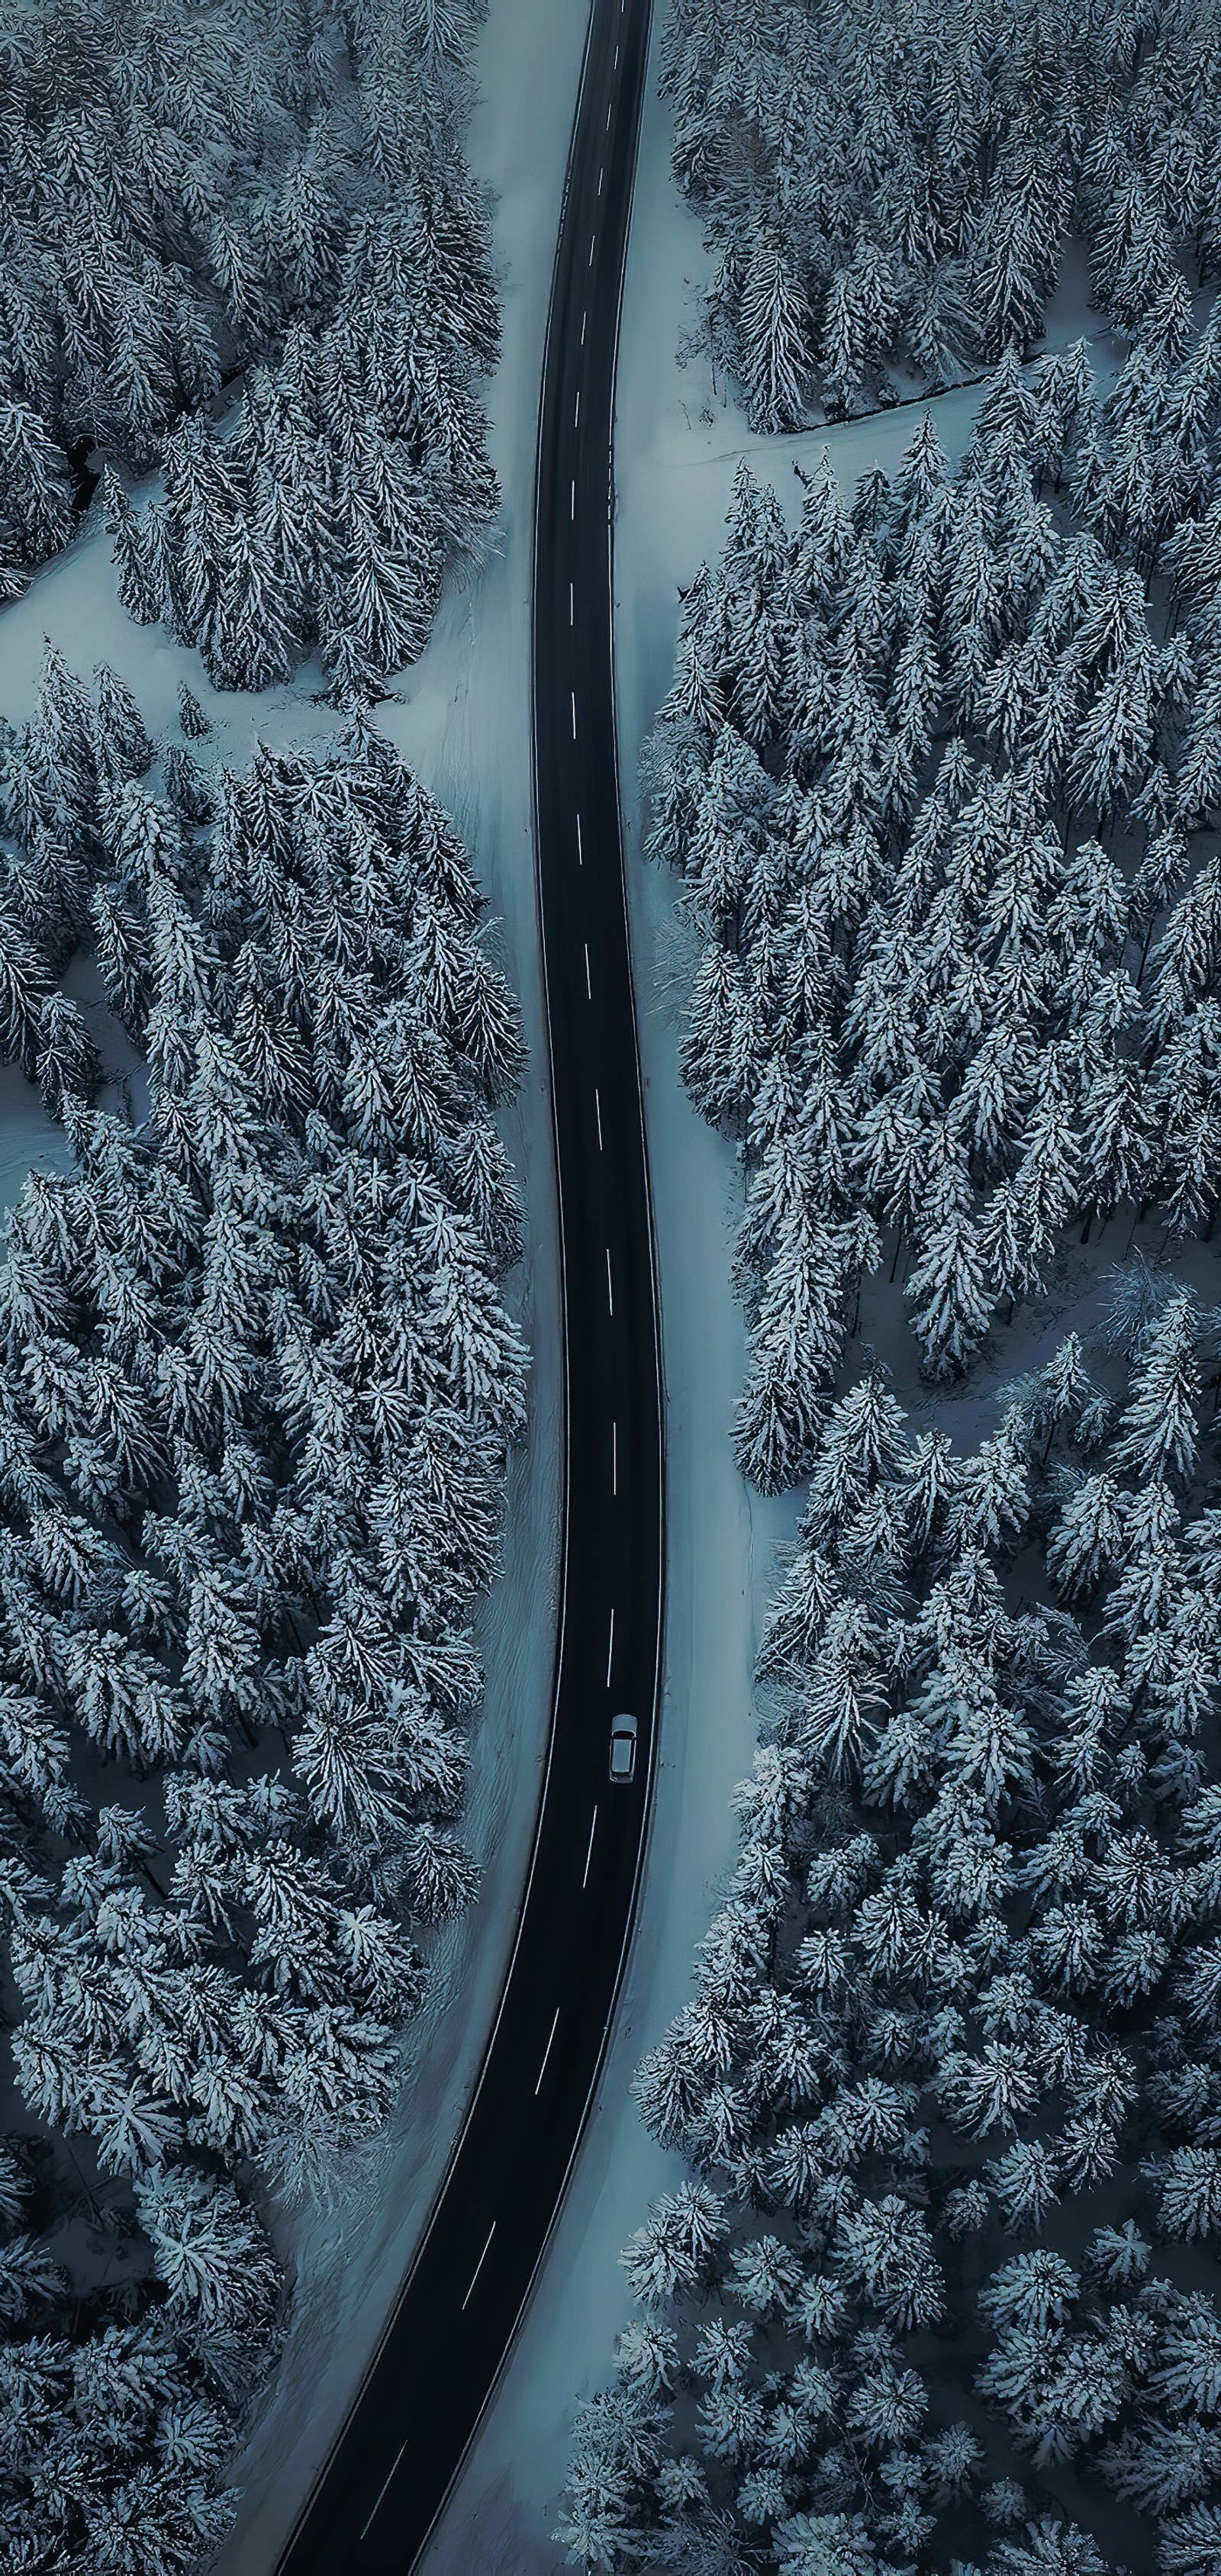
(610, 1293)
(576, 417)
(610, 1651)
(479, 2265)
(614, 1457)
(590, 1850)
(584, 320)
(592, 239)
(598, 1116)
(547, 2051)
(610, 106)
(385, 2483)
(589, 990)
(573, 695)
(572, 607)
(601, 176)
(580, 851)
(615, 65)
(572, 499)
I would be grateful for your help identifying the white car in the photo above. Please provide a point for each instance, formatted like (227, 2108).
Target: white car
(623, 1750)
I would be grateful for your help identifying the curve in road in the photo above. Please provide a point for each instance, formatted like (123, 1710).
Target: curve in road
(396, 2459)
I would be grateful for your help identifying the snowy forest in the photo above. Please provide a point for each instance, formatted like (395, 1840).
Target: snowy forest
(939, 773)
(891, 193)
(257, 1382)
(949, 2085)
(257, 1392)
(279, 197)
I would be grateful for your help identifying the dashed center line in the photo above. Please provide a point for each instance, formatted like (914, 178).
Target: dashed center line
(573, 695)
(610, 1651)
(601, 176)
(576, 417)
(479, 2265)
(547, 2051)
(614, 1457)
(589, 1850)
(393, 2466)
(589, 990)
(580, 851)
(598, 1116)
(572, 606)
(572, 503)
(610, 1287)
(592, 239)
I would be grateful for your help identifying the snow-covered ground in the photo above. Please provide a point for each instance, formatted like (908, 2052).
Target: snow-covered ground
(464, 724)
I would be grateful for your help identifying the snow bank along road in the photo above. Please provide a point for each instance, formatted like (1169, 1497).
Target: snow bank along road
(395, 2461)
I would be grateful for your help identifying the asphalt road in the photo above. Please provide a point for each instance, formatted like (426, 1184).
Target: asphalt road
(388, 2476)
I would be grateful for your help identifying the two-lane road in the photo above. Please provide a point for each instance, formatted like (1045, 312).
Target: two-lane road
(388, 2476)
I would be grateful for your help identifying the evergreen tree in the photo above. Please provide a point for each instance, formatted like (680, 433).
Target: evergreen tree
(141, 587)
(68, 1062)
(37, 490)
(1158, 1432)
(774, 327)
(195, 724)
(948, 1286)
